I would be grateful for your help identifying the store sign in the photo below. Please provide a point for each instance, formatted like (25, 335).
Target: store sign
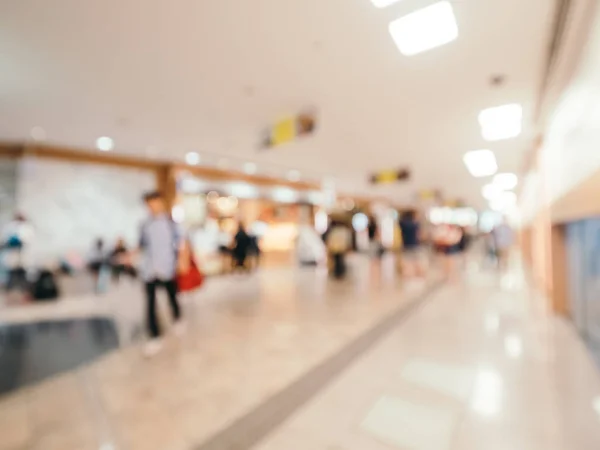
(289, 129)
(390, 176)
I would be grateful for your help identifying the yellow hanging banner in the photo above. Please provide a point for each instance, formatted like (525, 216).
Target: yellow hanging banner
(284, 131)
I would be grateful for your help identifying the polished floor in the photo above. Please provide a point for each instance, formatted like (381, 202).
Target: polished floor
(287, 359)
(481, 366)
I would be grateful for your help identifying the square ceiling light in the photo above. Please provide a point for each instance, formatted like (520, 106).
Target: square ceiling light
(424, 29)
(501, 122)
(383, 3)
(481, 163)
(504, 203)
(506, 181)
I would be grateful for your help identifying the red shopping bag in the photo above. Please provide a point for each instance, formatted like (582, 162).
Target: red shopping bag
(190, 278)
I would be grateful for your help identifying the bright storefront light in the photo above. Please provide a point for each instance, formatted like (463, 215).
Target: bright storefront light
(481, 163)
(501, 122)
(425, 29)
(506, 181)
(464, 217)
(284, 195)
(360, 222)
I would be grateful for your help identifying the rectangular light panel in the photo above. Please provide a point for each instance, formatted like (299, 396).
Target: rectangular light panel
(501, 122)
(481, 163)
(506, 181)
(383, 3)
(424, 29)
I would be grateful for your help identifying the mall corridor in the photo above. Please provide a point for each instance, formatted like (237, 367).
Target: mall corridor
(300, 362)
(300, 225)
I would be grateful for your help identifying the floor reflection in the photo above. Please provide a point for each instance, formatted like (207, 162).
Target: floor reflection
(32, 352)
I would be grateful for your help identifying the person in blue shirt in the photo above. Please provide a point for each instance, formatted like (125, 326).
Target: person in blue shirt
(412, 255)
(160, 244)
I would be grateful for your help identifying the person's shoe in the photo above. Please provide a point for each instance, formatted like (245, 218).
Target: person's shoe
(179, 328)
(152, 347)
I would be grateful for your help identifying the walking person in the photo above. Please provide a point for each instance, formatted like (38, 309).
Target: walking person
(241, 247)
(160, 244)
(339, 242)
(503, 239)
(412, 256)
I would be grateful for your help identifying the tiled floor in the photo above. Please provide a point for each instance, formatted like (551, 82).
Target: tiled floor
(482, 365)
(248, 338)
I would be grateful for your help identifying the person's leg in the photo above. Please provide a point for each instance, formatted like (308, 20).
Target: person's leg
(116, 270)
(171, 287)
(152, 320)
(131, 271)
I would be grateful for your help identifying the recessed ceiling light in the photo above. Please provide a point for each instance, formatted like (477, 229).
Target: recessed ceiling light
(424, 29)
(504, 202)
(383, 3)
(250, 168)
(506, 181)
(501, 122)
(293, 175)
(105, 144)
(491, 191)
(192, 158)
(481, 163)
(38, 134)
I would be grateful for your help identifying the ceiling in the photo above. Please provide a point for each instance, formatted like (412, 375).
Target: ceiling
(164, 78)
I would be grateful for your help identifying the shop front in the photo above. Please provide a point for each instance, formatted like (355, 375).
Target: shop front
(212, 212)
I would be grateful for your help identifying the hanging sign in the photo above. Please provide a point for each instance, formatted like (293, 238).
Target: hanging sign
(289, 129)
(390, 176)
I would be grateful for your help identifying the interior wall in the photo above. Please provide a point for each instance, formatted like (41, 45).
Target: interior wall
(70, 204)
(569, 153)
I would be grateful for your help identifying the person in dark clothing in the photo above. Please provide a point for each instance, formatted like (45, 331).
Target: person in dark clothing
(374, 244)
(120, 261)
(254, 251)
(160, 246)
(339, 241)
(97, 261)
(412, 257)
(241, 247)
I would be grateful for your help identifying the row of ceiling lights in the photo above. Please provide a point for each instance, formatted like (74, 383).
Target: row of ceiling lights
(431, 27)
(250, 168)
(107, 144)
(498, 123)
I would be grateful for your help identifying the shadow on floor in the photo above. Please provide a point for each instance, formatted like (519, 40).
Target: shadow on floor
(30, 353)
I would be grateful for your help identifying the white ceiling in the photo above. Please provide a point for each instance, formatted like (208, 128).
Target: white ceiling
(210, 75)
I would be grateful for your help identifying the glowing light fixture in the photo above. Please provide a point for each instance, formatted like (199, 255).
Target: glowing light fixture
(491, 191)
(506, 181)
(383, 3)
(105, 144)
(425, 29)
(481, 163)
(504, 202)
(192, 158)
(284, 195)
(501, 122)
(360, 222)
